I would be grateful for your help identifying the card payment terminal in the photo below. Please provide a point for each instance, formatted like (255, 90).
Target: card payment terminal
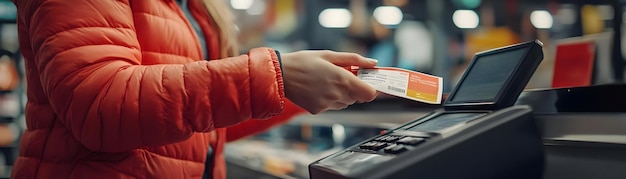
(477, 134)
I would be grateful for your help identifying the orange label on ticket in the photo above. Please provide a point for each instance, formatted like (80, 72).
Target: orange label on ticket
(404, 83)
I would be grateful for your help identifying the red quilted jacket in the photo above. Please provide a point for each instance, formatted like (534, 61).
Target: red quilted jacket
(117, 89)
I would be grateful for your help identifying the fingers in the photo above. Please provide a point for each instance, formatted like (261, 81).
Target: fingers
(361, 91)
(330, 106)
(355, 89)
(338, 106)
(348, 59)
(347, 100)
(352, 69)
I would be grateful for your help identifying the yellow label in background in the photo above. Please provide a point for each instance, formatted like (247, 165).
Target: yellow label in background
(404, 83)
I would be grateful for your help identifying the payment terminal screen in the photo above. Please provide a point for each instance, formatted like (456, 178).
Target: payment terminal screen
(487, 76)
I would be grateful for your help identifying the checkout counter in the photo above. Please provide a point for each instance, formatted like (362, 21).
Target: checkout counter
(569, 133)
(583, 130)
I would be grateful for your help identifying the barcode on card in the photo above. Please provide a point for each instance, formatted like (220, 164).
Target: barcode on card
(400, 90)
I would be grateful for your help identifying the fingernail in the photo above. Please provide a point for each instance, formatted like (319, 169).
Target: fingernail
(373, 60)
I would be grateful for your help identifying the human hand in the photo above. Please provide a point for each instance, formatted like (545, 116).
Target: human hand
(316, 81)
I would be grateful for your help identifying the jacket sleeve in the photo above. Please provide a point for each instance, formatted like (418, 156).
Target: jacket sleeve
(89, 61)
(252, 127)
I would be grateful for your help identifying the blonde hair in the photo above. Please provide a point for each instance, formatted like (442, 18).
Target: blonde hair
(224, 20)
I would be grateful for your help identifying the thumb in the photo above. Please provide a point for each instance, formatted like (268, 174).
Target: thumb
(361, 91)
(349, 59)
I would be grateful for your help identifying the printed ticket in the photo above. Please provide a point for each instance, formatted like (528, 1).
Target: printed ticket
(404, 83)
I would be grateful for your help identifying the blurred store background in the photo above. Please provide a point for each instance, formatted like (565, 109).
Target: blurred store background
(438, 37)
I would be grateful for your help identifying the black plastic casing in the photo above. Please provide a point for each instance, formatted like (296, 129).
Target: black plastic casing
(512, 87)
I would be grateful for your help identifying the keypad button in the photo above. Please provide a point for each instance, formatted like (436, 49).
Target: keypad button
(410, 141)
(395, 149)
(382, 138)
(388, 138)
(373, 145)
(367, 145)
(378, 146)
(390, 146)
(392, 138)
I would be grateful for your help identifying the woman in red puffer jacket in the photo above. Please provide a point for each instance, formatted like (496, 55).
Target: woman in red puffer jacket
(119, 89)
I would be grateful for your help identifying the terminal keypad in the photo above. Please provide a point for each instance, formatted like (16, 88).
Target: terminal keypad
(391, 144)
